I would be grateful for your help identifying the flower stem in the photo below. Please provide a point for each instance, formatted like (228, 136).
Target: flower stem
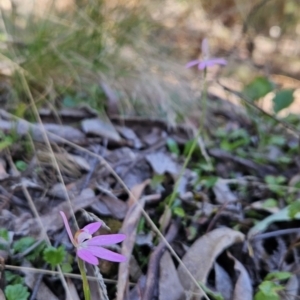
(194, 144)
(86, 288)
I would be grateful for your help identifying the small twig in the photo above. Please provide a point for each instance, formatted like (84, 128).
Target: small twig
(49, 272)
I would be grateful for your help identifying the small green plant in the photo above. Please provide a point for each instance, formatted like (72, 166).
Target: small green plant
(26, 242)
(261, 86)
(173, 147)
(275, 184)
(21, 165)
(12, 278)
(270, 203)
(234, 140)
(269, 288)
(23, 244)
(156, 181)
(16, 292)
(4, 239)
(282, 100)
(294, 209)
(258, 88)
(54, 256)
(179, 211)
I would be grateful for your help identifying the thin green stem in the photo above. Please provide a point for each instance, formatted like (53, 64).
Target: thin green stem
(86, 288)
(194, 144)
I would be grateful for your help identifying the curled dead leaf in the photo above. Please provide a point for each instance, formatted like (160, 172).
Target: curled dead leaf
(200, 258)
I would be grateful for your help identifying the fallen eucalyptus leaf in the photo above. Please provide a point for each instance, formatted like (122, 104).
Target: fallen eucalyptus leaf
(201, 256)
(169, 283)
(100, 128)
(223, 282)
(280, 216)
(243, 287)
(223, 193)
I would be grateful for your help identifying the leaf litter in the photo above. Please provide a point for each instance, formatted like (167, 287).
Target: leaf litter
(216, 224)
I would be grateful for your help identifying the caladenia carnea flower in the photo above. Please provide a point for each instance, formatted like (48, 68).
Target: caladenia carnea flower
(89, 248)
(206, 62)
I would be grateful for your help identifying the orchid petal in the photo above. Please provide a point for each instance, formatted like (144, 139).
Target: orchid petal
(219, 61)
(192, 63)
(205, 48)
(67, 227)
(87, 256)
(212, 62)
(105, 254)
(107, 239)
(92, 228)
(202, 65)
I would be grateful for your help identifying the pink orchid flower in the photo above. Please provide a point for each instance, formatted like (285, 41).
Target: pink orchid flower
(207, 61)
(88, 248)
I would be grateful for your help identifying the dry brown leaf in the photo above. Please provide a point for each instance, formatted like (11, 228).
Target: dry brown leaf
(2, 276)
(112, 99)
(223, 282)
(162, 163)
(260, 205)
(169, 284)
(243, 288)
(116, 207)
(59, 131)
(165, 218)
(200, 258)
(52, 220)
(153, 136)
(134, 269)
(137, 292)
(72, 290)
(101, 208)
(223, 193)
(291, 289)
(130, 135)
(66, 132)
(2, 297)
(100, 128)
(129, 229)
(155, 257)
(30, 279)
(73, 113)
(59, 190)
(136, 192)
(143, 239)
(3, 174)
(136, 173)
(79, 161)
